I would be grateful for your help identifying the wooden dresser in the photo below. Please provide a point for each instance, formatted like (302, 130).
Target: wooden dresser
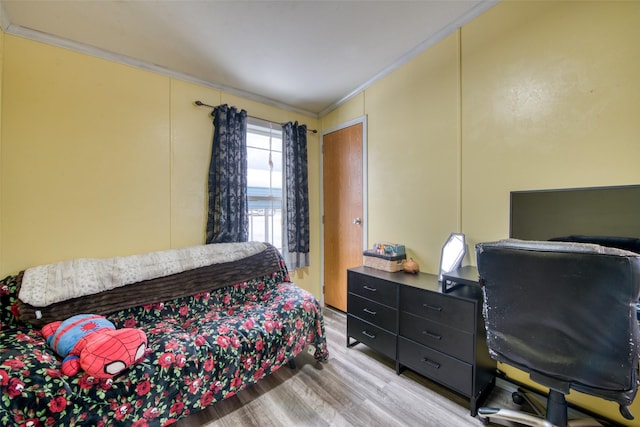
(407, 318)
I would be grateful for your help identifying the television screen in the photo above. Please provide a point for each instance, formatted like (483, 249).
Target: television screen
(595, 211)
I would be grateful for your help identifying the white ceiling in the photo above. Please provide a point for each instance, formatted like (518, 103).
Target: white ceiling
(306, 56)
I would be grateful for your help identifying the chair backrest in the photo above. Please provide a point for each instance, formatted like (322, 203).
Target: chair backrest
(564, 312)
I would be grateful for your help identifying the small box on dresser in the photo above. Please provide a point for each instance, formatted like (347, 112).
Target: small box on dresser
(391, 263)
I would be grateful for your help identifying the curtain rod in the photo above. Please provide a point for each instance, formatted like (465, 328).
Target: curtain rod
(202, 104)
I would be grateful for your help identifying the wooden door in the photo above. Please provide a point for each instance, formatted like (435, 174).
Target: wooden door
(343, 211)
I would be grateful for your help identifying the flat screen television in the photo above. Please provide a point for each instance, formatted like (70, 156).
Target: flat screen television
(595, 211)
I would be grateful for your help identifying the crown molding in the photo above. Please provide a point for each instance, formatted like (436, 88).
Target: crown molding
(477, 10)
(4, 18)
(17, 30)
(46, 38)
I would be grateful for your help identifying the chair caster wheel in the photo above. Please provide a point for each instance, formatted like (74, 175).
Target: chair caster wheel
(517, 398)
(484, 420)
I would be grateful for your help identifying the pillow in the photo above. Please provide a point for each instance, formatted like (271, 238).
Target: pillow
(8, 299)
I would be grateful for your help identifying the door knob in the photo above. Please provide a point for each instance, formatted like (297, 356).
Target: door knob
(357, 221)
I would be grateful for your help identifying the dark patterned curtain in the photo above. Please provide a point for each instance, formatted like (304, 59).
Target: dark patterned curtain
(227, 220)
(296, 223)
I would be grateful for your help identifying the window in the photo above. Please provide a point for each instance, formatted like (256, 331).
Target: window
(264, 182)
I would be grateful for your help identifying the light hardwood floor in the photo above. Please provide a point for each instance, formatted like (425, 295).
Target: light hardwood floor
(355, 387)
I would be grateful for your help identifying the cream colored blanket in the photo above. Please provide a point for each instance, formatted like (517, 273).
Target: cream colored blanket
(47, 284)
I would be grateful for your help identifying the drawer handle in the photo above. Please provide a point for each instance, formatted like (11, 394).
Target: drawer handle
(431, 363)
(432, 307)
(432, 335)
(366, 310)
(367, 334)
(368, 288)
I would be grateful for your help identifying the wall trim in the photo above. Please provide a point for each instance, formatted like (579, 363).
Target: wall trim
(477, 10)
(17, 30)
(28, 33)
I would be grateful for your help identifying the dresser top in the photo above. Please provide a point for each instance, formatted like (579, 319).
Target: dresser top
(426, 281)
(420, 280)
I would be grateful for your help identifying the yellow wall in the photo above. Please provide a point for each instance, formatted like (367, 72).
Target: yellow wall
(550, 99)
(529, 95)
(413, 142)
(102, 159)
(85, 156)
(1, 185)
(412, 145)
(349, 110)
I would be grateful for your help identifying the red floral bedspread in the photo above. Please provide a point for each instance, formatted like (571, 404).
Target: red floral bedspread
(202, 349)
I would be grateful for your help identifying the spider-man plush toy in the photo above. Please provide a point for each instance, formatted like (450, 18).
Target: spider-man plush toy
(93, 344)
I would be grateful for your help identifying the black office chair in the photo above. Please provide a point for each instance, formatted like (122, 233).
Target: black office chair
(564, 313)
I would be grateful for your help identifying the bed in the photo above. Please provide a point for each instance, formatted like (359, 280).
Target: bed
(214, 327)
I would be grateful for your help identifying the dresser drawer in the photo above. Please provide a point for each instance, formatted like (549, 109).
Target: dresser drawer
(444, 369)
(376, 338)
(373, 288)
(438, 307)
(373, 312)
(437, 336)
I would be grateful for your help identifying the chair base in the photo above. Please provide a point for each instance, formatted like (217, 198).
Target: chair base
(554, 415)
